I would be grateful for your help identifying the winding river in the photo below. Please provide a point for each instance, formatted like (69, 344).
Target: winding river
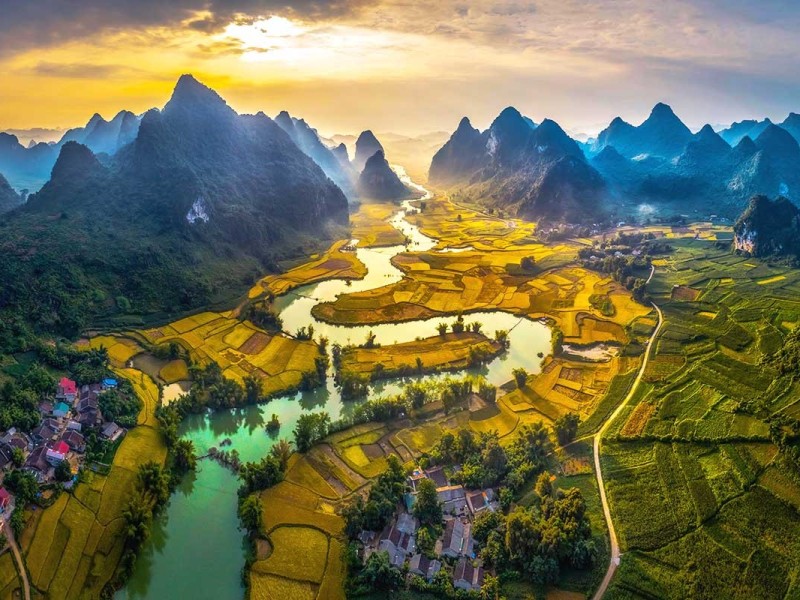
(196, 549)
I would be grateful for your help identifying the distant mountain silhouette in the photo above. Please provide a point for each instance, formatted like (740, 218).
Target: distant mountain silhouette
(9, 199)
(533, 171)
(26, 167)
(309, 142)
(102, 136)
(366, 147)
(750, 128)
(663, 135)
(379, 182)
(792, 125)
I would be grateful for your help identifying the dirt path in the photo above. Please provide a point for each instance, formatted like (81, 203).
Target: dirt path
(26, 587)
(612, 534)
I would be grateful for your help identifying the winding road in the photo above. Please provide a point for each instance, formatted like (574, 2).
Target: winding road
(612, 534)
(26, 587)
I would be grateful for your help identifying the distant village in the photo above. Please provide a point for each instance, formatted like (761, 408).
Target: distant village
(460, 507)
(55, 450)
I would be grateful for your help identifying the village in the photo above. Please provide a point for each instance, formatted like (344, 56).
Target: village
(55, 450)
(455, 546)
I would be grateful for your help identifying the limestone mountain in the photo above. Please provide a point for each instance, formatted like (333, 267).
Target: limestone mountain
(307, 139)
(9, 198)
(662, 134)
(379, 182)
(532, 171)
(102, 136)
(768, 228)
(749, 128)
(201, 202)
(26, 167)
(792, 125)
(366, 147)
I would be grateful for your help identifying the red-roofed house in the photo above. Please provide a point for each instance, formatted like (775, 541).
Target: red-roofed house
(57, 452)
(5, 499)
(66, 390)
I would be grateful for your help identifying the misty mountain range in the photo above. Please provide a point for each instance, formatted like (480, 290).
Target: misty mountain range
(539, 171)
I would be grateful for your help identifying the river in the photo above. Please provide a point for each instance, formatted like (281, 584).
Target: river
(196, 549)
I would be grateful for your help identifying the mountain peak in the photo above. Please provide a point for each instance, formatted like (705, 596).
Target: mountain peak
(366, 147)
(776, 139)
(509, 118)
(464, 124)
(75, 161)
(191, 95)
(662, 110)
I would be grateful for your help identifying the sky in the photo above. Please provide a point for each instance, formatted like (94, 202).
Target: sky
(406, 66)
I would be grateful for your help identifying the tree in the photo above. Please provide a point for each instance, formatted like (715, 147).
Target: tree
(184, 457)
(310, 428)
(257, 476)
(458, 326)
(528, 263)
(252, 389)
(379, 574)
(136, 519)
(566, 428)
(154, 482)
(282, 450)
(426, 541)
(250, 513)
(544, 485)
(427, 508)
(63, 471)
(490, 590)
(17, 456)
(23, 484)
(520, 377)
(501, 337)
(442, 328)
(532, 444)
(557, 341)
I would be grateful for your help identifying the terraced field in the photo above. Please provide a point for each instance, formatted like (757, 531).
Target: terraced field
(703, 504)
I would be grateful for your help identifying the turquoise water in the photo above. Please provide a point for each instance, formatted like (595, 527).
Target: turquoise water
(196, 550)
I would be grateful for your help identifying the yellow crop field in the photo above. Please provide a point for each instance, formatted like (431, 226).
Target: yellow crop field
(175, 370)
(297, 553)
(273, 587)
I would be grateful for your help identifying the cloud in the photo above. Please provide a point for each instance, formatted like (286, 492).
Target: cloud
(85, 70)
(29, 24)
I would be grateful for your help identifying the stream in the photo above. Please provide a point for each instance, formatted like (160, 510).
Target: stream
(196, 549)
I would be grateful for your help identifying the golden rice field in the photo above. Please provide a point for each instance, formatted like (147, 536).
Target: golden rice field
(449, 351)
(371, 225)
(333, 264)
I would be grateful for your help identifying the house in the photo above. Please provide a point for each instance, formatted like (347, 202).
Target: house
(88, 410)
(57, 452)
(466, 576)
(74, 426)
(407, 523)
(423, 566)
(46, 408)
(436, 474)
(5, 499)
(367, 537)
(61, 410)
(111, 431)
(66, 390)
(74, 440)
(413, 480)
(480, 501)
(5, 457)
(91, 392)
(109, 383)
(453, 499)
(37, 463)
(457, 540)
(45, 431)
(16, 439)
(393, 540)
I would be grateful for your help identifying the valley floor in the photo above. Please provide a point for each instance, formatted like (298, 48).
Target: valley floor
(702, 502)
